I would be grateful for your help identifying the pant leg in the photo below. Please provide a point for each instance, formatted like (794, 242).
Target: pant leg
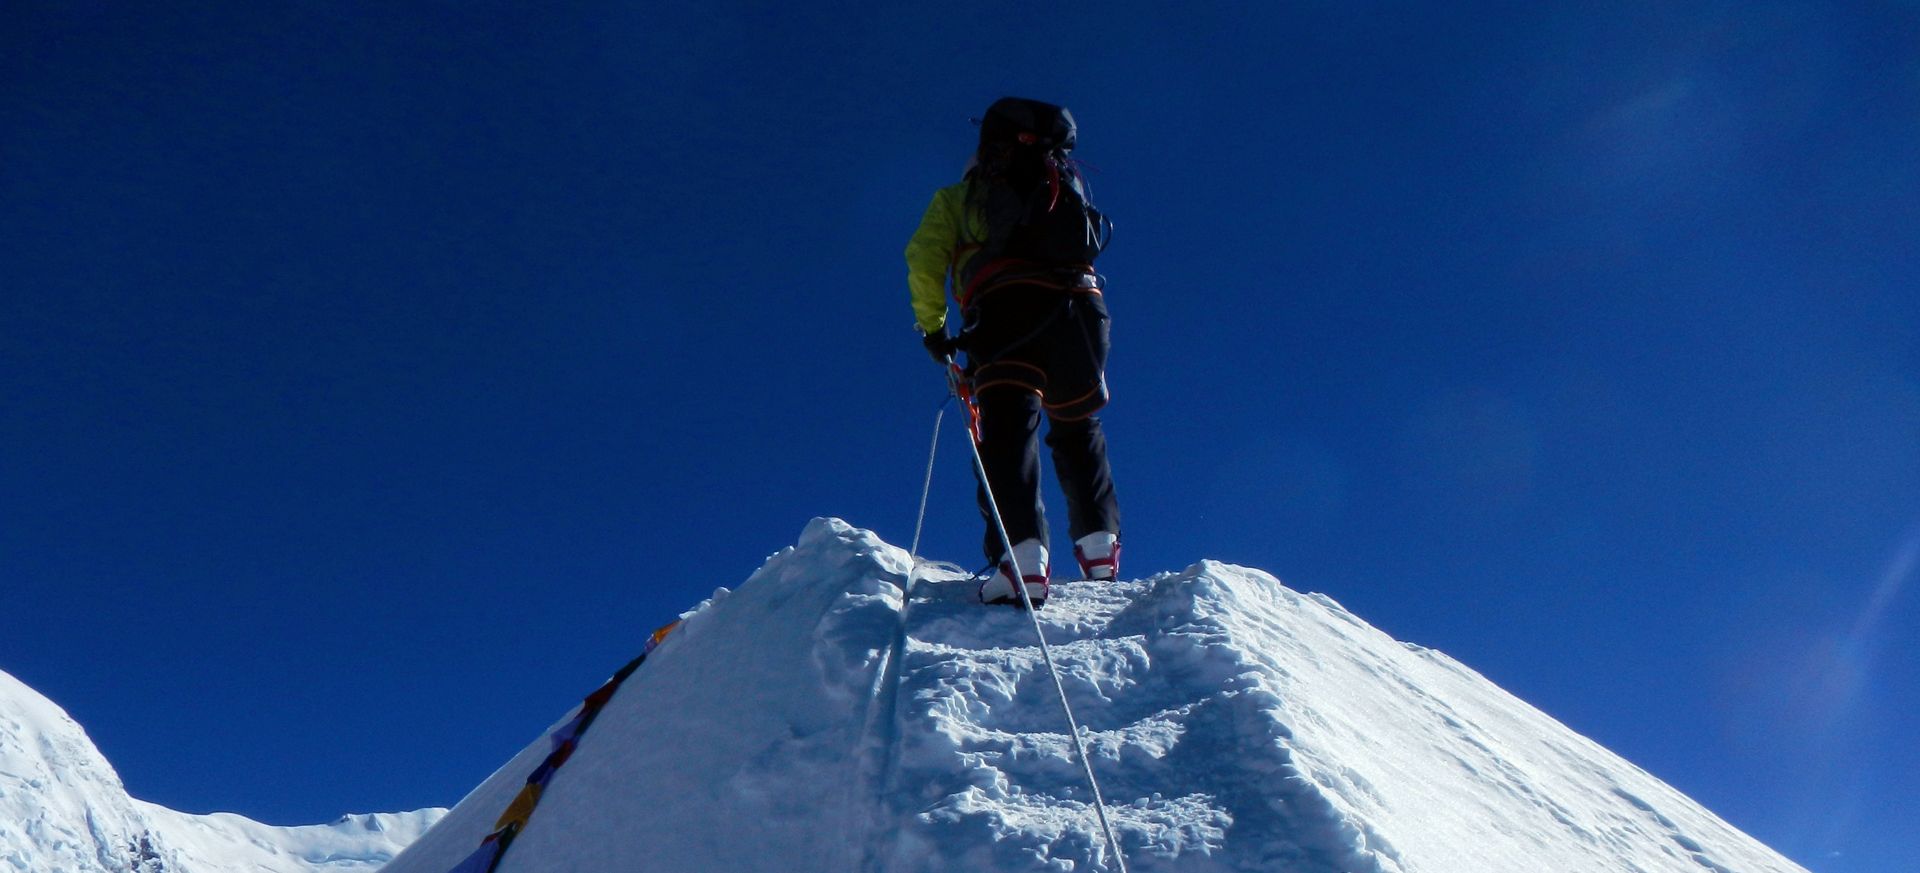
(1010, 451)
(1073, 352)
(1080, 460)
(1076, 388)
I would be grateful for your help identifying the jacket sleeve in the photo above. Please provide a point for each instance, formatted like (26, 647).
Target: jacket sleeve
(929, 255)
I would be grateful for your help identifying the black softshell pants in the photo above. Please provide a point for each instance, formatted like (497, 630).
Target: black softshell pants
(1037, 352)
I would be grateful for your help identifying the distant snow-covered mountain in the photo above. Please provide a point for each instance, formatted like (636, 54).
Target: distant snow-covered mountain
(830, 716)
(64, 810)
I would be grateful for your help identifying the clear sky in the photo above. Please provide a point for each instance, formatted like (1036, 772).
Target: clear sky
(373, 376)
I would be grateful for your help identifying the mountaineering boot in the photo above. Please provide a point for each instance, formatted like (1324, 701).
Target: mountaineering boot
(1098, 554)
(999, 590)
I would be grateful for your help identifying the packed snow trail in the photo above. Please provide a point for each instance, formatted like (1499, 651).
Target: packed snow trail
(818, 719)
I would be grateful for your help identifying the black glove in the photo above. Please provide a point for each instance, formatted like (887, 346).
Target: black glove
(939, 345)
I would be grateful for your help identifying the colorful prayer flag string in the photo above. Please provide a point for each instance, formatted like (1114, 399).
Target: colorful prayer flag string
(567, 738)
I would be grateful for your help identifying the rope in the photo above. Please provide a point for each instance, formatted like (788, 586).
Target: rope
(914, 550)
(1046, 652)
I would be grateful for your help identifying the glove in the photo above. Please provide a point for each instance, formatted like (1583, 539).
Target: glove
(939, 345)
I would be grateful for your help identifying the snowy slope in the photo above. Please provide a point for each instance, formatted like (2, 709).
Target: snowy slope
(817, 719)
(63, 810)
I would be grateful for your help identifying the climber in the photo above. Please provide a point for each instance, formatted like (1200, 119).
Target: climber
(1017, 238)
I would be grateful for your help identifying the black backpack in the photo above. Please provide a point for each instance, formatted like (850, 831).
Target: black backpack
(1031, 193)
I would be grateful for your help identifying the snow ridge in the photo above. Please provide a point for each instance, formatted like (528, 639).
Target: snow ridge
(63, 809)
(830, 716)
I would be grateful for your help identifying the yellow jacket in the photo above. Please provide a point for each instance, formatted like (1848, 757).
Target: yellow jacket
(950, 234)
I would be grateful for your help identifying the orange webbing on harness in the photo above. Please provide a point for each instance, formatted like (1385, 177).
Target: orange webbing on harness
(1013, 271)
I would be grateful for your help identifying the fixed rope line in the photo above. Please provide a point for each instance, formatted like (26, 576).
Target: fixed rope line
(877, 763)
(1046, 652)
(926, 489)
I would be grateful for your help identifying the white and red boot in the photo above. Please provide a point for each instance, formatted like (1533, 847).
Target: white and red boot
(1032, 558)
(1099, 555)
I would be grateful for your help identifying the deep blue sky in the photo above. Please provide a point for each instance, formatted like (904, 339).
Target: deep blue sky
(373, 376)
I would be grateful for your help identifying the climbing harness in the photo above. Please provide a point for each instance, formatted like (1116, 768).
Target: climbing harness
(1026, 602)
(565, 740)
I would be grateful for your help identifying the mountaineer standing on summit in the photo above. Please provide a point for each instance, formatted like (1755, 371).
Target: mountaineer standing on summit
(1017, 238)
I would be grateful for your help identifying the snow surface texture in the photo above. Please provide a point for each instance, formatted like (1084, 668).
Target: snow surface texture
(820, 719)
(63, 810)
